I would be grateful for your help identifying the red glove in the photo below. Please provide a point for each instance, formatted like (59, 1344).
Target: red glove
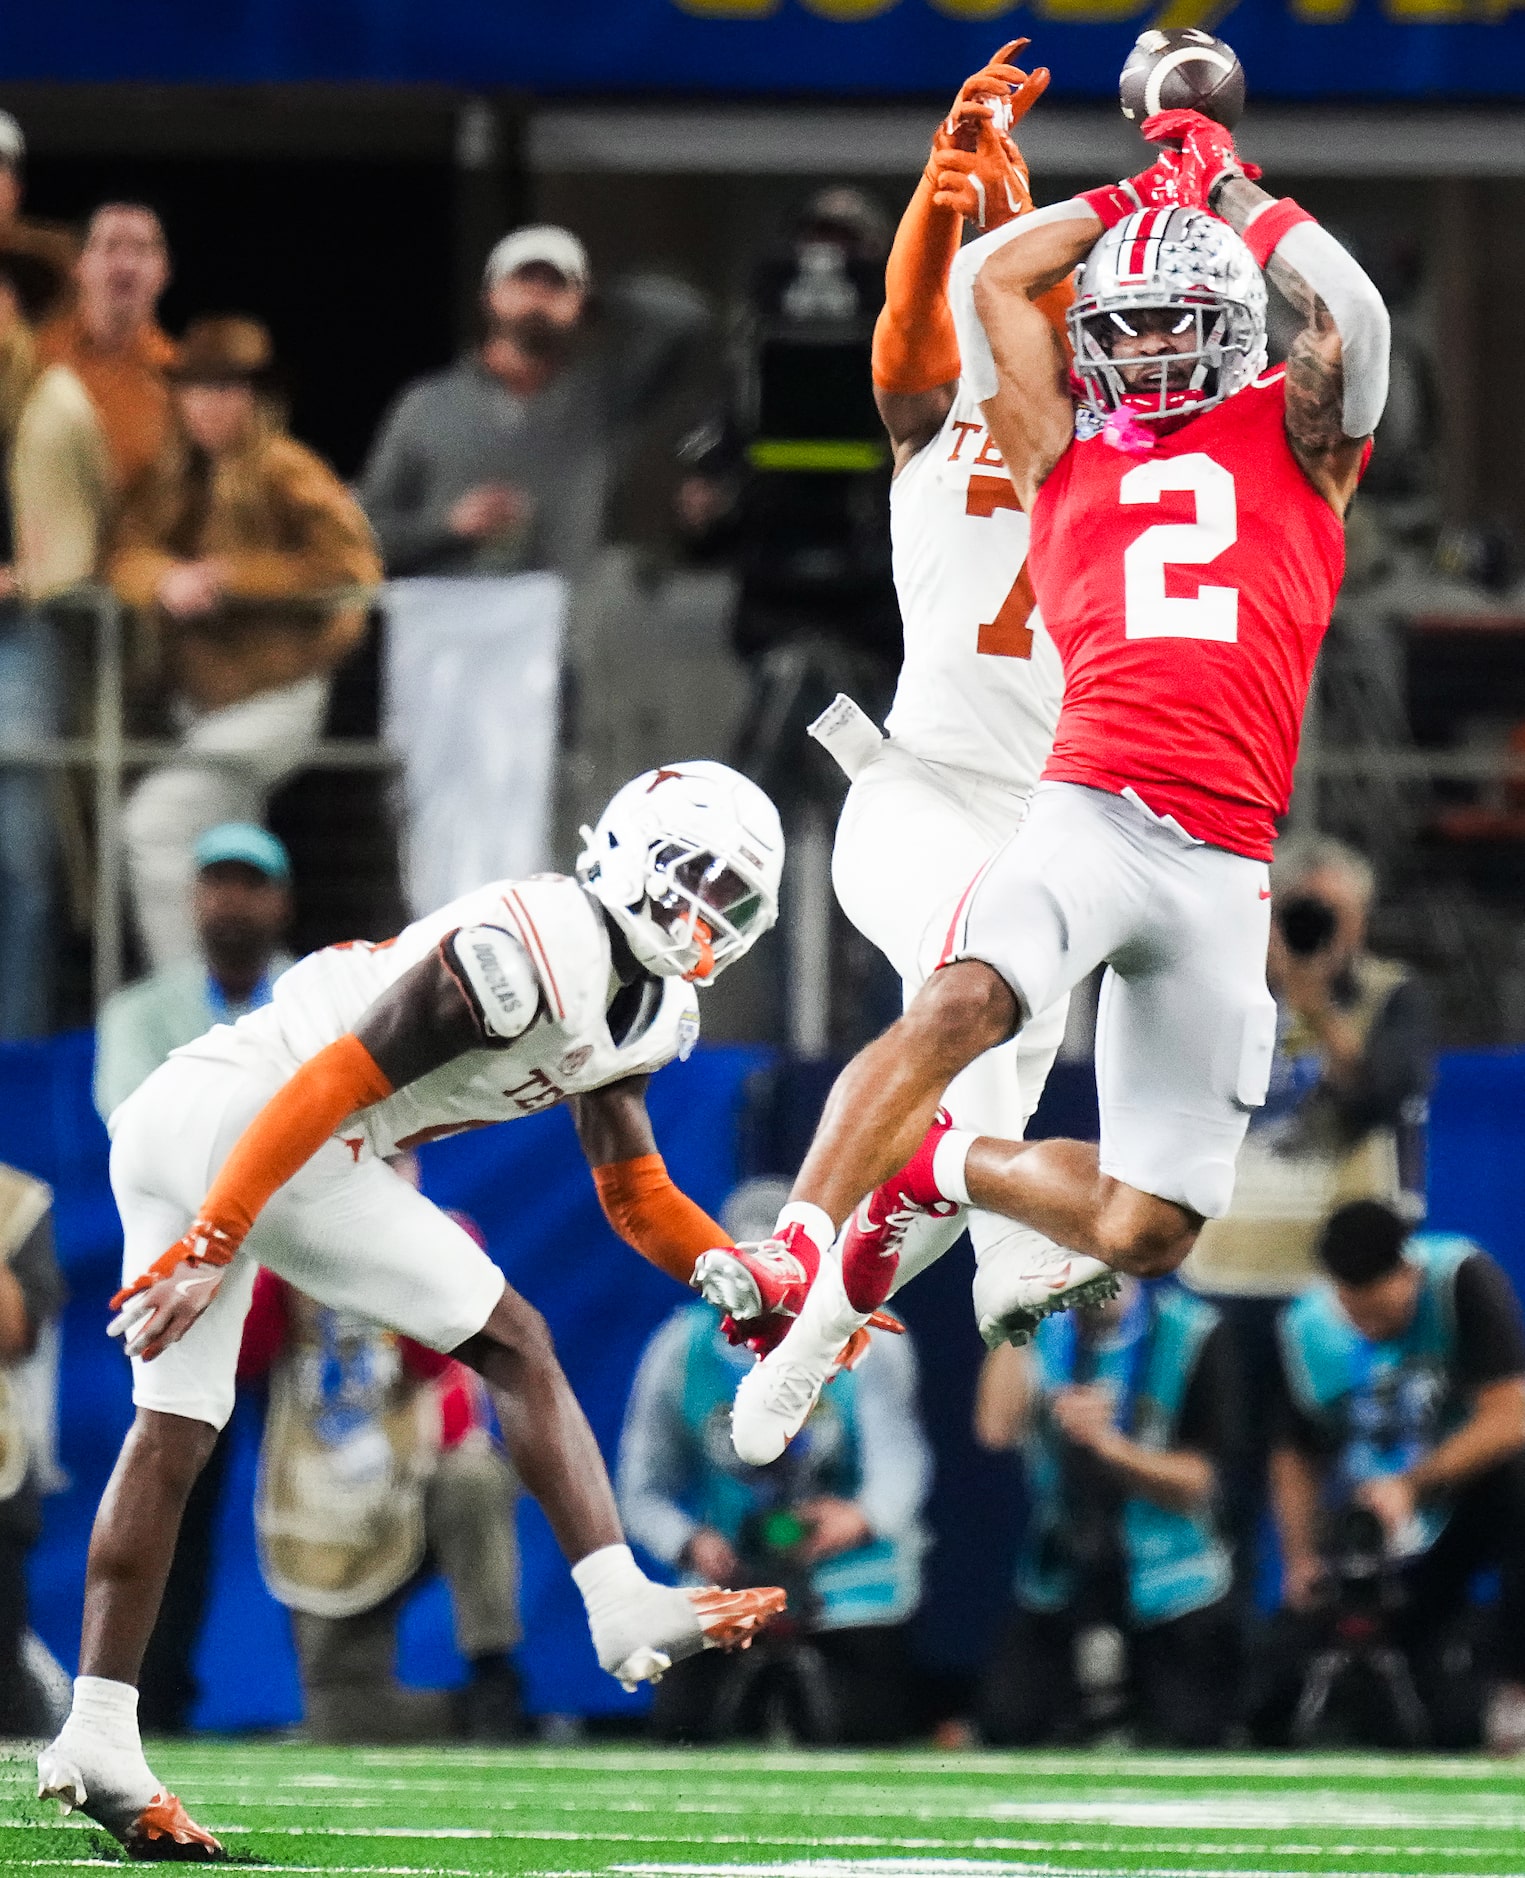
(975, 167)
(1154, 188)
(1207, 157)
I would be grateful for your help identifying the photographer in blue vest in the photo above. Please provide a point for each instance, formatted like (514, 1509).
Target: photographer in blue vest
(1403, 1379)
(836, 1520)
(1124, 1415)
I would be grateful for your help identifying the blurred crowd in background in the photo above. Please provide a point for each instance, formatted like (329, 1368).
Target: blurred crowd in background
(630, 523)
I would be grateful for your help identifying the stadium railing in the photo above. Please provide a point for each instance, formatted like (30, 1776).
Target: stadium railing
(109, 754)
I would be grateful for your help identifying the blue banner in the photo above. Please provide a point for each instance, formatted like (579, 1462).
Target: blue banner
(594, 49)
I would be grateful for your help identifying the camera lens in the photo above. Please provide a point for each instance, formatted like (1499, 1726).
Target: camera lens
(1307, 924)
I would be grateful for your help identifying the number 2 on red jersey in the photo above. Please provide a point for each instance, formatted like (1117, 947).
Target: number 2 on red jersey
(1008, 635)
(1148, 611)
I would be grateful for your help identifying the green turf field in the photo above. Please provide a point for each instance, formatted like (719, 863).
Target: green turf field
(763, 1814)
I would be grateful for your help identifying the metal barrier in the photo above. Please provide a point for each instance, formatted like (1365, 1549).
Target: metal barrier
(110, 753)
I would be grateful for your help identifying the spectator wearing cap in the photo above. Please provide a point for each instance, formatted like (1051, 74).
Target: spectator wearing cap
(253, 565)
(503, 461)
(242, 908)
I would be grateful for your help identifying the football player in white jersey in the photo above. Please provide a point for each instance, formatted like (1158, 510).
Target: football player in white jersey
(969, 733)
(264, 1143)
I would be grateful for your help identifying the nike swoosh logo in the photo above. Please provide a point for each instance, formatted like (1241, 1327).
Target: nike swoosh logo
(185, 1286)
(1265, 893)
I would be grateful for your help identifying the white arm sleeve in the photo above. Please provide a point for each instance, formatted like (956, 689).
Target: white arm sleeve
(977, 363)
(500, 978)
(1359, 315)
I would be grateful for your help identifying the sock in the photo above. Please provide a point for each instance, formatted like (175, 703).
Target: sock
(829, 1316)
(607, 1578)
(948, 1161)
(107, 1709)
(868, 1274)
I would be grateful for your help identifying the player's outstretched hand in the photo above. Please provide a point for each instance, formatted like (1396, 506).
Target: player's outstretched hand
(1205, 154)
(975, 167)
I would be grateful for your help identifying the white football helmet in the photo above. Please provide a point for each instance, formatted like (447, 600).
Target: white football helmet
(686, 860)
(1169, 266)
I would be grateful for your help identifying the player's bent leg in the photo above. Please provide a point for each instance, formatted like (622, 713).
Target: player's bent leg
(883, 1103)
(1058, 1188)
(640, 1629)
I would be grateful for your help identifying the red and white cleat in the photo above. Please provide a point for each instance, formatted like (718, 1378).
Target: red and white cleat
(875, 1234)
(768, 1280)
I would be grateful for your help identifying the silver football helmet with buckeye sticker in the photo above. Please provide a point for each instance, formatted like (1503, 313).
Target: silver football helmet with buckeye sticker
(686, 860)
(1183, 275)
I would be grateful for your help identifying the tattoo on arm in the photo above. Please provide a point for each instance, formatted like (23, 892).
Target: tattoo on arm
(1315, 363)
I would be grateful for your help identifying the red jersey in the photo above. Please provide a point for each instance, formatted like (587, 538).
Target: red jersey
(1188, 592)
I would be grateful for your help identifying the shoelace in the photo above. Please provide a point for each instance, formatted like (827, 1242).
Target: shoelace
(793, 1387)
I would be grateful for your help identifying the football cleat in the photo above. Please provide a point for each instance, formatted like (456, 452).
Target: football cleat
(771, 1279)
(703, 1619)
(774, 1400)
(1059, 1281)
(159, 1828)
(876, 1232)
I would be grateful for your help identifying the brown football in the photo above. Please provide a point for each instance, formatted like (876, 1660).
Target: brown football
(1184, 69)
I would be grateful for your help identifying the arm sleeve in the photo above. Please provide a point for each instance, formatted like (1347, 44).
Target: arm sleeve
(282, 1138)
(394, 491)
(1490, 1336)
(1359, 314)
(974, 348)
(894, 1460)
(650, 1213)
(653, 1459)
(915, 344)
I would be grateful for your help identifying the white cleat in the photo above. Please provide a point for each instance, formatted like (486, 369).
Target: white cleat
(1061, 1281)
(774, 1400)
(123, 1796)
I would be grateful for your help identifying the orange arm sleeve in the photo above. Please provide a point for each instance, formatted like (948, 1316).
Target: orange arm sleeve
(658, 1219)
(281, 1139)
(915, 345)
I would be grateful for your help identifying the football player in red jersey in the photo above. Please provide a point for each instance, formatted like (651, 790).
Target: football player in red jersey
(1187, 544)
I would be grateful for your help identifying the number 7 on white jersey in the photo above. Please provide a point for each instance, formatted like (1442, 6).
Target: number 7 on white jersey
(1151, 613)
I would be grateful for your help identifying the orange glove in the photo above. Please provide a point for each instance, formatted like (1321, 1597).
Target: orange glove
(975, 166)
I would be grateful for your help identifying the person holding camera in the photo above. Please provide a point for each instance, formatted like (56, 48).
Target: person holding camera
(1345, 1114)
(1402, 1384)
(1124, 1413)
(836, 1521)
